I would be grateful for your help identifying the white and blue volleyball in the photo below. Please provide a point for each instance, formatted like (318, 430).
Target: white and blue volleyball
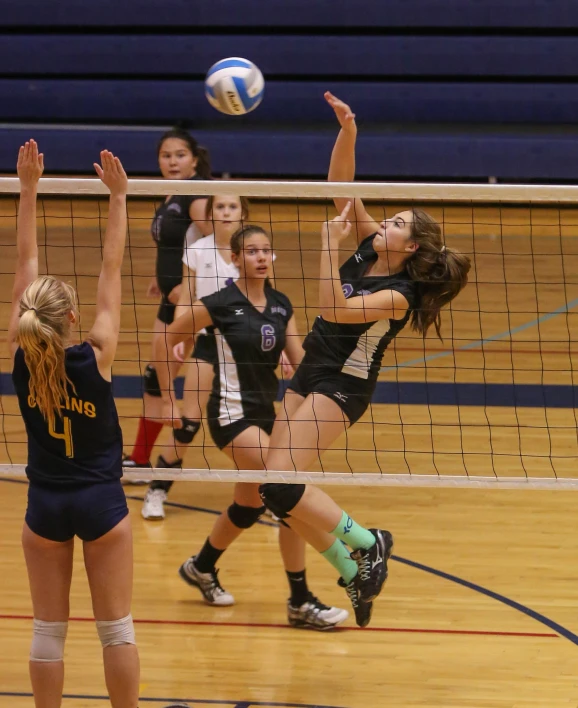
(234, 86)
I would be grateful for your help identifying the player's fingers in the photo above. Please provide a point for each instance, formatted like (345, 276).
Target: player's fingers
(98, 169)
(345, 211)
(41, 161)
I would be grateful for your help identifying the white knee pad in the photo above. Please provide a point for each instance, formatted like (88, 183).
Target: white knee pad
(48, 640)
(120, 631)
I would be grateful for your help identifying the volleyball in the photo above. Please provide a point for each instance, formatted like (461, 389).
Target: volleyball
(234, 86)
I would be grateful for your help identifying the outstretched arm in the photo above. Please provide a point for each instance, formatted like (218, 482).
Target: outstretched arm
(104, 333)
(334, 306)
(342, 166)
(30, 168)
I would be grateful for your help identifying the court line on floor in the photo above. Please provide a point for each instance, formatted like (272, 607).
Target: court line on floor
(272, 625)
(480, 342)
(204, 701)
(537, 616)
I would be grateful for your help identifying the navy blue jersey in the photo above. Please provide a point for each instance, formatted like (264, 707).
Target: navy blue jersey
(85, 445)
(357, 349)
(169, 228)
(249, 344)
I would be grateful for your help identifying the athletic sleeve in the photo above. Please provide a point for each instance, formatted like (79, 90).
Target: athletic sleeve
(190, 257)
(408, 288)
(216, 305)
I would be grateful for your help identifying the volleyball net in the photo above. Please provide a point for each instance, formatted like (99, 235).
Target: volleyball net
(491, 405)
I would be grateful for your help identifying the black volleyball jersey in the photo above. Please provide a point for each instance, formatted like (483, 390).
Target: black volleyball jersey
(85, 445)
(169, 228)
(249, 344)
(357, 349)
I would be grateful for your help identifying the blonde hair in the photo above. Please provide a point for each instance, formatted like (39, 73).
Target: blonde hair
(43, 328)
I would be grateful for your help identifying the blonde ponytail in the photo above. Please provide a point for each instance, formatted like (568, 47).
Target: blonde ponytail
(43, 328)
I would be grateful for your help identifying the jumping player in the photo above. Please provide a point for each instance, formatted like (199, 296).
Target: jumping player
(252, 324)
(180, 157)
(401, 272)
(74, 448)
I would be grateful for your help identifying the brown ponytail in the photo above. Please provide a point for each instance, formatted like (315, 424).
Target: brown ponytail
(441, 272)
(42, 332)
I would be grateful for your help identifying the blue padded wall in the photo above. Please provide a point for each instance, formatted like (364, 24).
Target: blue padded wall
(443, 89)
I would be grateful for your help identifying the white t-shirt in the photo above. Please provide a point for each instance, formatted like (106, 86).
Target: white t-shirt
(212, 272)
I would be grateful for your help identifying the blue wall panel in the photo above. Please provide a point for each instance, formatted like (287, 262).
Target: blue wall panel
(303, 13)
(288, 102)
(303, 154)
(145, 55)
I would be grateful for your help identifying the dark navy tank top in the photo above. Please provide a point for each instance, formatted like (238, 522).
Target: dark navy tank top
(85, 445)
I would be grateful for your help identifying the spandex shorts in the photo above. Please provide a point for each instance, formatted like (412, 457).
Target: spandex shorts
(351, 394)
(224, 435)
(88, 511)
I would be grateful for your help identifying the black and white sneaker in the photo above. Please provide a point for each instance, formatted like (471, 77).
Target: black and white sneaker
(362, 610)
(207, 583)
(129, 464)
(313, 614)
(372, 565)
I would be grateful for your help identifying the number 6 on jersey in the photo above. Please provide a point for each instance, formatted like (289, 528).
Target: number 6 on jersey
(268, 339)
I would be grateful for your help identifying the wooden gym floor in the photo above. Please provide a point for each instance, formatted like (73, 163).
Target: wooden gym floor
(480, 608)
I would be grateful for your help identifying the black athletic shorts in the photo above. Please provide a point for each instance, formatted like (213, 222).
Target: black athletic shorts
(205, 348)
(351, 394)
(166, 312)
(88, 511)
(224, 435)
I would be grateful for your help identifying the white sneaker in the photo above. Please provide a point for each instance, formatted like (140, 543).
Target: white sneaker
(207, 583)
(313, 614)
(153, 505)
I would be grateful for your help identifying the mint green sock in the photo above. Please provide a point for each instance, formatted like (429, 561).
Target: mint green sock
(339, 557)
(351, 533)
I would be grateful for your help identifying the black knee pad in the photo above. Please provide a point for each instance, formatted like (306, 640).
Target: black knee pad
(151, 381)
(281, 499)
(186, 434)
(244, 516)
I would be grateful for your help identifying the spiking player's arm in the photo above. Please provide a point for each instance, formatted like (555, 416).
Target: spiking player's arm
(30, 168)
(104, 332)
(342, 166)
(196, 318)
(334, 306)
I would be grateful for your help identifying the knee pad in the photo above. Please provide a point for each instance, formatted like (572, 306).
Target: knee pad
(186, 434)
(120, 631)
(244, 516)
(151, 381)
(48, 641)
(281, 498)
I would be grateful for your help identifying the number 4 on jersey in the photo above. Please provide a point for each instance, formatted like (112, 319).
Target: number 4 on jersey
(66, 435)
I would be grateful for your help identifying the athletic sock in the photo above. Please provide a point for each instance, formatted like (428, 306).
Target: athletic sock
(146, 437)
(351, 533)
(298, 587)
(207, 558)
(165, 484)
(340, 559)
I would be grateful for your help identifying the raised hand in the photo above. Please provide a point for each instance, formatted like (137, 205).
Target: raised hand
(343, 112)
(30, 164)
(112, 173)
(337, 229)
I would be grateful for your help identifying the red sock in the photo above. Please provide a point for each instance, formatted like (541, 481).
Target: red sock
(148, 432)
